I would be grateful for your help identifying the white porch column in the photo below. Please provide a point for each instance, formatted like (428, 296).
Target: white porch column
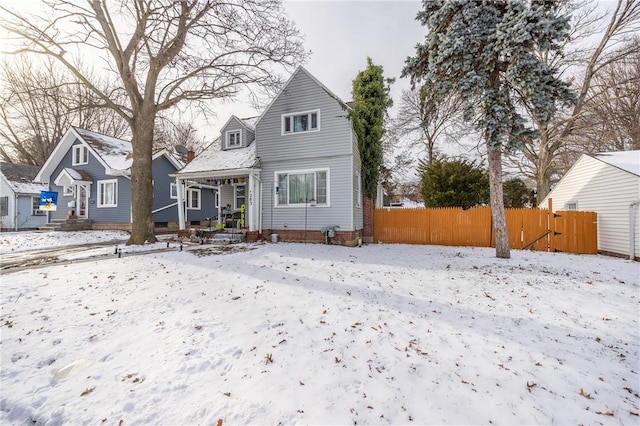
(179, 190)
(254, 202)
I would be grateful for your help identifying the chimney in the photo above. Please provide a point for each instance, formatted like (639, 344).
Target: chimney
(190, 154)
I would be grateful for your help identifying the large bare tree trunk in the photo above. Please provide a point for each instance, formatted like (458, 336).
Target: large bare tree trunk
(142, 178)
(497, 203)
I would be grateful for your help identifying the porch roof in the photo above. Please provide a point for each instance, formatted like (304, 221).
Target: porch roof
(69, 176)
(216, 162)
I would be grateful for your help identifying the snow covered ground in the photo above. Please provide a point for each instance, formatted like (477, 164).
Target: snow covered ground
(316, 334)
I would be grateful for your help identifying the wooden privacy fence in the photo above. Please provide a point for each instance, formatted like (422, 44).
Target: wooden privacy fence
(535, 229)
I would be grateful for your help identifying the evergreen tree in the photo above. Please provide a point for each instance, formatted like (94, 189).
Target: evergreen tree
(484, 51)
(516, 194)
(454, 183)
(370, 102)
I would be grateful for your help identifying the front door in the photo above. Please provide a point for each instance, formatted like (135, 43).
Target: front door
(81, 202)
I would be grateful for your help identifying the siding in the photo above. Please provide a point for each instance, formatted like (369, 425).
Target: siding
(119, 214)
(234, 124)
(607, 190)
(162, 191)
(328, 148)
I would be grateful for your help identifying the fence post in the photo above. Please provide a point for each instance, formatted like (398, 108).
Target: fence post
(552, 228)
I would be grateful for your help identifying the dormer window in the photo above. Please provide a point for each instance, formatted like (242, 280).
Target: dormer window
(300, 122)
(80, 155)
(234, 138)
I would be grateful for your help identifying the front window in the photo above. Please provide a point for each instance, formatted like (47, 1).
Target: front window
(4, 206)
(80, 155)
(108, 193)
(35, 202)
(301, 122)
(193, 199)
(234, 139)
(69, 191)
(299, 188)
(241, 196)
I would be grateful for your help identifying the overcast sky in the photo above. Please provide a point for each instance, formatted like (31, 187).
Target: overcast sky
(342, 34)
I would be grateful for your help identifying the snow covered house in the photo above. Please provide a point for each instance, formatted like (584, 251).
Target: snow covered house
(20, 197)
(293, 172)
(91, 173)
(607, 183)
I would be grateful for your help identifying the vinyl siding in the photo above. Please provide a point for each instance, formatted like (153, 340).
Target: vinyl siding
(247, 135)
(119, 214)
(328, 148)
(607, 190)
(162, 191)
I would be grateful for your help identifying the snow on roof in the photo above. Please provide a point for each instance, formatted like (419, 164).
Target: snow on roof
(250, 122)
(116, 153)
(626, 160)
(214, 159)
(20, 178)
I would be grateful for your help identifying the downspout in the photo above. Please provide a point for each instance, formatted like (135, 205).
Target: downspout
(15, 211)
(632, 228)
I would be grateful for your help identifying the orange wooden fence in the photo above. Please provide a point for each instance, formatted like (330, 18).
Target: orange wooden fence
(536, 229)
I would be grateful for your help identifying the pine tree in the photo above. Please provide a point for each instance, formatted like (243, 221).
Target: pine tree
(484, 51)
(370, 102)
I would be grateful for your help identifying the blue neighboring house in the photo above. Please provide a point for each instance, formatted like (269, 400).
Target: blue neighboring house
(294, 171)
(20, 198)
(91, 173)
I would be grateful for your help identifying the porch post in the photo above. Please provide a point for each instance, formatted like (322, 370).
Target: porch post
(180, 204)
(252, 202)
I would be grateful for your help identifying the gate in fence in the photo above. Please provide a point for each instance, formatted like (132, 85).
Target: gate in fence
(528, 229)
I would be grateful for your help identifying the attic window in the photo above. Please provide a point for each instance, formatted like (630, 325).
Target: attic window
(300, 122)
(80, 155)
(234, 138)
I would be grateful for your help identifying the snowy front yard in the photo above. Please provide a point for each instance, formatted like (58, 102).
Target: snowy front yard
(316, 334)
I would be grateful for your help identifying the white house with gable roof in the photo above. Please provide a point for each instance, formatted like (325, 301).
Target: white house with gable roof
(607, 183)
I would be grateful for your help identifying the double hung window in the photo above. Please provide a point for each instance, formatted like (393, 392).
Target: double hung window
(80, 155)
(301, 187)
(108, 193)
(234, 139)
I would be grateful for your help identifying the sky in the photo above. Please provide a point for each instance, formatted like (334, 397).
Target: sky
(315, 334)
(340, 35)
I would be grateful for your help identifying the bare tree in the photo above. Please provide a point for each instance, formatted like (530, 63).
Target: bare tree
(169, 133)
(611, 116)
(163, 53)
(542, 157)
(424, 119)
(37, 106)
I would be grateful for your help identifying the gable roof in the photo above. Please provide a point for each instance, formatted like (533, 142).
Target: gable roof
(629, 161)
(298, 70)
(20, 178)
(247, 123)
(112, 153)
(216, 161)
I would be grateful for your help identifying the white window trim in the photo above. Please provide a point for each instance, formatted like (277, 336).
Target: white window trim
(69, 191)
(309, 112)
(238, 143)
(199, 192)
(79, 149)
(301, 172)
(569, 203)
(101, 184)
(235, 196)
(173, 191)
(35, 203)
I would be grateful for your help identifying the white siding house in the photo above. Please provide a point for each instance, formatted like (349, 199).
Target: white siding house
(19, 197)
(607, 183)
